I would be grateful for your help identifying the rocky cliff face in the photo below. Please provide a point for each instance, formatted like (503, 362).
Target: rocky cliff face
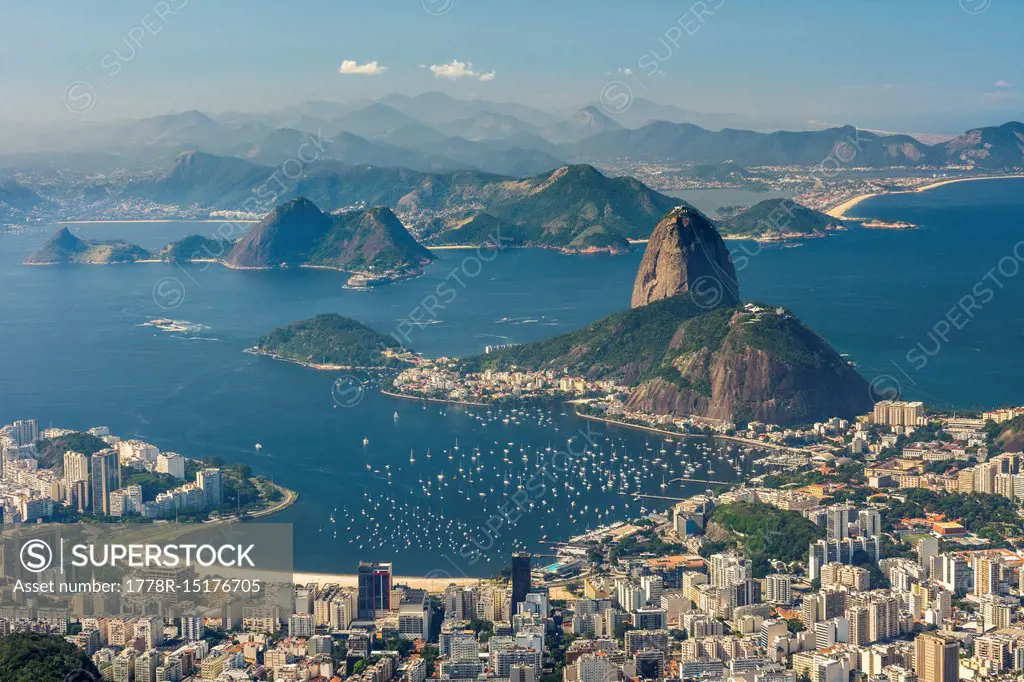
(686, 255)
(769, 367)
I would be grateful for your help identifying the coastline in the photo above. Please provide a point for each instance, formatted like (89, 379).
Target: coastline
(678, 434)
(154, 220)
(255, 350)
(386, 278)
(558, 249)
(788, 239)
(408, 396)
(290, 498)
(839, 212)
(433, 585)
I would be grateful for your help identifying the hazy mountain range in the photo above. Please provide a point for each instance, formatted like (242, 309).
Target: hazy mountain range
(438, 133)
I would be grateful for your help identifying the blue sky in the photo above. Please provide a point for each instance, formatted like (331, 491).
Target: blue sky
(917, 65)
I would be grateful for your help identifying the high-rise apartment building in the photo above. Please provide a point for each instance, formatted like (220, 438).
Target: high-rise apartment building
(76, 472)
(209, 480)
(899, 413)
(937, 657)
(837, 521)
(105, 478)
(779, 588)
(25, 431)
(727, 569)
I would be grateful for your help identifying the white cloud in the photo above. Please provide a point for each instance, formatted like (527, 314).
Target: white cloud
(352, 67)
(1001, 84)
(456, 70)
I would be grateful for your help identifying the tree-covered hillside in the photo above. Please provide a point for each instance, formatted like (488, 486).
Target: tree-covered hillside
(43, 658)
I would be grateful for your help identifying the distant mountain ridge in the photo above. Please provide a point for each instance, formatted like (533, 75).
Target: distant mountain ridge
(587, 121)
(995, 147)
(573, 207)
(436, 132)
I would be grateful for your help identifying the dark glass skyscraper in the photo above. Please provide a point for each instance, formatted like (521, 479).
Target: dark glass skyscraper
(374, 589)
(106, 478)
(520, 578)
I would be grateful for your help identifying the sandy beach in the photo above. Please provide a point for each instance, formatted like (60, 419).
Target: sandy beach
(431, 584)
(951, 181)
(841, 210)
(156, 220)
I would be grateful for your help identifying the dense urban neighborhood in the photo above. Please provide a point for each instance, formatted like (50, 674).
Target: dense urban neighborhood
(886, 548)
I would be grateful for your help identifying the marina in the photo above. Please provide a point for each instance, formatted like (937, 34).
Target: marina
(467, 500)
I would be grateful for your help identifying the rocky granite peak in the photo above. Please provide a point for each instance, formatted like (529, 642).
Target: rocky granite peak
(685, 254)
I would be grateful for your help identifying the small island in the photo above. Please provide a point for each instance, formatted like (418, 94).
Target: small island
(195, 249)
(372, 245)
(334, 342)
(65, 247)
(775, 220)
(172, 326)
(888, 225)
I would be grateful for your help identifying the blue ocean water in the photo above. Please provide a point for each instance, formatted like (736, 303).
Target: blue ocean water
(73, 353)
(886, 297)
